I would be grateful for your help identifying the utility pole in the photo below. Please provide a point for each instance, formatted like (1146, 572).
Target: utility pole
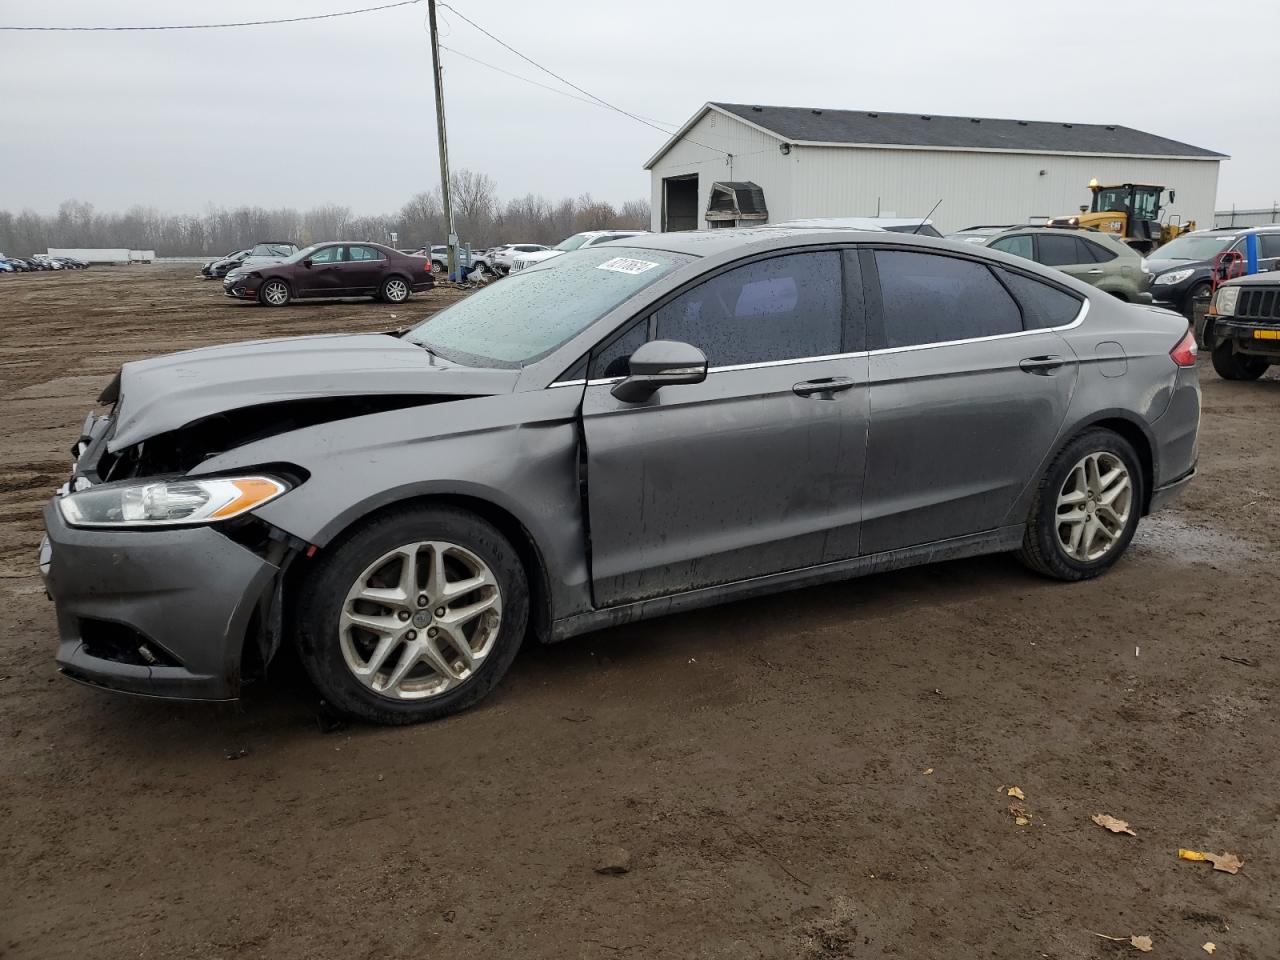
(452, 239)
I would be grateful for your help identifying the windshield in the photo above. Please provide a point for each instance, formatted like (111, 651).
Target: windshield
(530, 313)
(1112, 198)
(1192, 248)
(573, 243)
(301, 254)
(273, 250)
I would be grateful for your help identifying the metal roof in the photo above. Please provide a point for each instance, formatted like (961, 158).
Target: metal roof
(820, 125)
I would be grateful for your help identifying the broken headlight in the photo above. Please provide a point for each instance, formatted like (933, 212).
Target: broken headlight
(169, 502)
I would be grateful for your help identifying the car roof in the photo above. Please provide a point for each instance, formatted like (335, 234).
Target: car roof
(1237, 231)
(706, 243)
(855, 223)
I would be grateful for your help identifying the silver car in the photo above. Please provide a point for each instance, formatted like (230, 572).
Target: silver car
(629, 431)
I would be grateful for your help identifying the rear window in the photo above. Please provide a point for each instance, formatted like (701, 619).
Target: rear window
(1042, 305)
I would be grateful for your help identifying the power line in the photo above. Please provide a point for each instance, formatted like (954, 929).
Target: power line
(544, 86)
(570, 83)
(218, 26)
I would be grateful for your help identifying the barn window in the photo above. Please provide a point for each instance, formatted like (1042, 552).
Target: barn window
(736, 203)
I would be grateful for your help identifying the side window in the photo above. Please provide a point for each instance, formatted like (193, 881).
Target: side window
(327, 255)
(934, 299)
(1042, 305)
(614, 360)
(1058, 250)
(1094, 252)
(784, 308)
(1019, 246)
(1269, 246)
(363, 253)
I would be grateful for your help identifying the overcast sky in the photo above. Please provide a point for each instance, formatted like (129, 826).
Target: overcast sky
(340, 111)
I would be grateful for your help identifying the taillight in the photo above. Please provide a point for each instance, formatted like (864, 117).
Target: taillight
(1185, 352)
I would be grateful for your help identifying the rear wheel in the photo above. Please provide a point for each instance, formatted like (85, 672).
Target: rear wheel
(274, 293)
(1086, 508)
(414, 616)
(394, 290)
(437, 267)
(1231, 365)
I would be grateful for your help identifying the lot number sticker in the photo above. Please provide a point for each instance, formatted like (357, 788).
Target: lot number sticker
(626, 265)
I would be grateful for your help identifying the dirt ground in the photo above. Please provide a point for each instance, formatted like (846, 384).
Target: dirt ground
(818, 774)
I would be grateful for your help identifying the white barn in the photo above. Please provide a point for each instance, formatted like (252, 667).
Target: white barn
(738, 164)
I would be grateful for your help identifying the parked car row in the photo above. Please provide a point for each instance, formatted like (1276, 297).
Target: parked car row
(264, 252)
(39, 262)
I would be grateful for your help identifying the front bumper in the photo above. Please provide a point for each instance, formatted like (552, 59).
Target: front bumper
(242, 288)
(186, 594)
(1259, 338)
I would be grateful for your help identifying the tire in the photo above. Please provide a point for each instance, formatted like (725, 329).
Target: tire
(274, 293)
(332, 647)
(1237, 366)
(1199, 292)
(394, 290)
(1046, 544)
(437, 268)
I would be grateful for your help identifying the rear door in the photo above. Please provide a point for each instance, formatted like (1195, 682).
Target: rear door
(755, 471)
(1068, 253)
(968, 392)
(362, 273)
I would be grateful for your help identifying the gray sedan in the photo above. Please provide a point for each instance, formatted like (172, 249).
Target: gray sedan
(621, 433)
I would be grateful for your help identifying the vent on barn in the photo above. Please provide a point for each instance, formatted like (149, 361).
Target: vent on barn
(736, 203)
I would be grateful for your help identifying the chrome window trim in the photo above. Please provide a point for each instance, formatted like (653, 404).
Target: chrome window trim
(1079, 319)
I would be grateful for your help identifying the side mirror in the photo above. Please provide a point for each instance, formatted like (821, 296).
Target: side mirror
(1172, 195)
(660, 363)
(307, 263)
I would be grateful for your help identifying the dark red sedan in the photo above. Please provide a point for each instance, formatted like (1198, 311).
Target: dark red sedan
(333, 270)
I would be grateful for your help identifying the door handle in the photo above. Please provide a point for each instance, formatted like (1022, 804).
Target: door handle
(824, 389)
(1042, 366)
(1095, 271)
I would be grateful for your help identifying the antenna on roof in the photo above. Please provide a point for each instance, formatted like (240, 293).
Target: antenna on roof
(926, 218)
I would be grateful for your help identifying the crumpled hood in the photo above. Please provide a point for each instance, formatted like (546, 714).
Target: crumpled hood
(172, 391)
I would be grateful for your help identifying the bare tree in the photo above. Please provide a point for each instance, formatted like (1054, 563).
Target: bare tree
(634, 215)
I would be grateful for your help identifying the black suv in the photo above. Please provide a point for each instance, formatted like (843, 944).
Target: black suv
(1181, 269)
(1243, 327)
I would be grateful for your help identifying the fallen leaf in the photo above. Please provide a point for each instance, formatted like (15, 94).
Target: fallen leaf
(1112, 824)
(1226, 862)
(1021, 815)
(928, 770)
(1021, 821)
(1015, 792)
(1209, 947)
(1140, 943)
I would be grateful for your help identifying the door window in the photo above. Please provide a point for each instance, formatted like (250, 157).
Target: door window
(327, 255)
(614, 360)
(1059, 250)
(1269, 245)
(1094, 252)
(1042, 305)
(1019, 246)
(934, 299)
(364, 253)
(784, 308)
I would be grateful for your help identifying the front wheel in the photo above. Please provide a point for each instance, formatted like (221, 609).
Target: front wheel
(1197, 294)
(394, 290)
(1086, 509)
(414, 616)
(1236, 366)
(274, 293)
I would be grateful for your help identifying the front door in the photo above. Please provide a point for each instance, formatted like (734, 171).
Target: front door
(324, 277)
(969, 389)
(755, 471)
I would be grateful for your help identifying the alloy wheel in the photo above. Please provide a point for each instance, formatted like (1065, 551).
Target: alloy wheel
(420, 620)
(396, 291)
(276, 293)
(1093, 507)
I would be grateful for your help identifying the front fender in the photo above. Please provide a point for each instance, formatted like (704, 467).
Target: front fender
(517, 452)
